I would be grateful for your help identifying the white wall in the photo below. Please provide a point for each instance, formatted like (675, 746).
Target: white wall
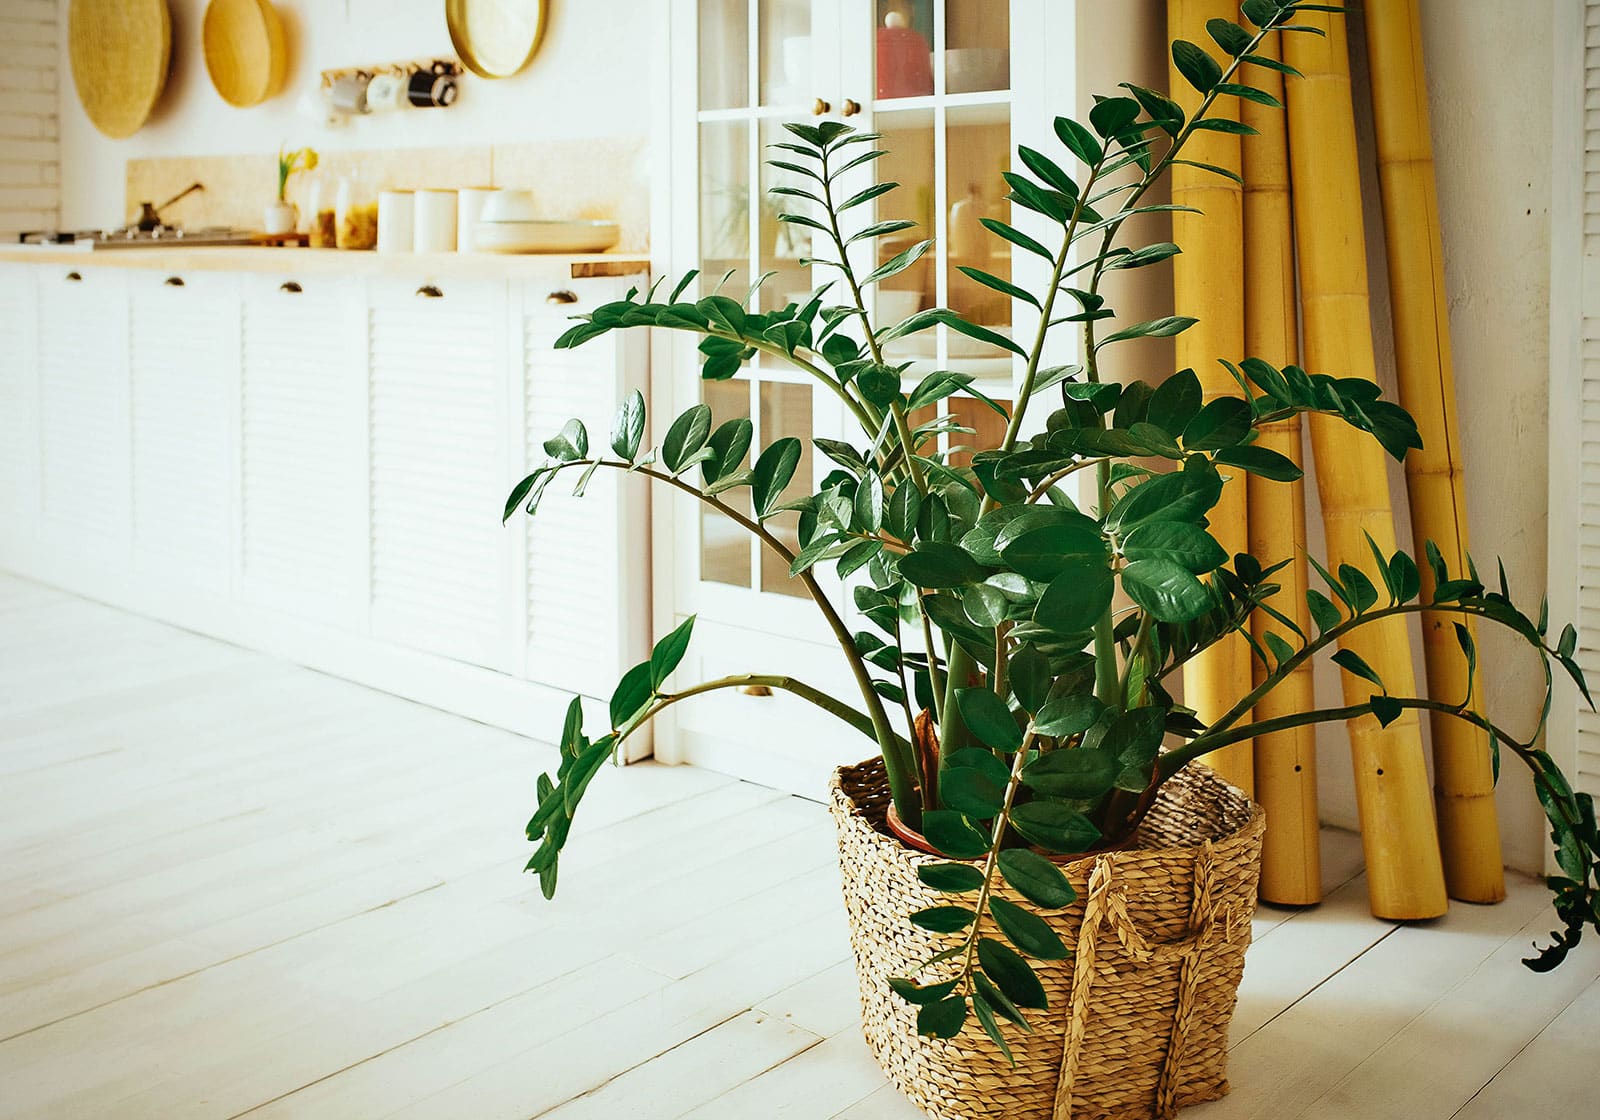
(591, 77)
(29, 154)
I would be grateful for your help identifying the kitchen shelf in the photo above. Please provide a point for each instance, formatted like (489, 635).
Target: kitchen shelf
(473, 266)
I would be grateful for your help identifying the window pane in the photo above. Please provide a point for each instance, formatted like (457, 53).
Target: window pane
(903, 43)
(978, 149)
(724, 545)
(724, 199)
(908, 139)
(724, 54)
(783, 244)
(977, 46)
(786, 74)
(786, 411)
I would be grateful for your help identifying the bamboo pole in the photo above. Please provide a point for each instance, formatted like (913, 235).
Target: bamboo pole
(1206, 281)
(1286, 761)
(1405, 878)
(1469, 827)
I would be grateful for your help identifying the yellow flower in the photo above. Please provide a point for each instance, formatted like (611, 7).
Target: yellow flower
(310, 156)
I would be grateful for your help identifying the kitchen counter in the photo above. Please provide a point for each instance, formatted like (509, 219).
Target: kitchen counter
(275, 260)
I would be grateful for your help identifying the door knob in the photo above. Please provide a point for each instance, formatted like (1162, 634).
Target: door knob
(819, 106)
(851, 108)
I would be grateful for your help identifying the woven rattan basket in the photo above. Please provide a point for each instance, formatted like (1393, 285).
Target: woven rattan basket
(1138, 1019)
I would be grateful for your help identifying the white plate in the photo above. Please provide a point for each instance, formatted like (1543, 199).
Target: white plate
(545, 237)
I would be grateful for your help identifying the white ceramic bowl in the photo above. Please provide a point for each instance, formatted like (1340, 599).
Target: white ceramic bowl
(545, 237)
(509, 206)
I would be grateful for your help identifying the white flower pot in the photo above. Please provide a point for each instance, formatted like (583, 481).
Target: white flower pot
(279, 218)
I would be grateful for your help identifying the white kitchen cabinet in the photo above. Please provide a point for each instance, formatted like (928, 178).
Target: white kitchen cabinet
(439, 461)
(302, 446)
(315, 464)
(19, 450)
(182, 371)
(80, 355)
(953, 86)
(587, 583)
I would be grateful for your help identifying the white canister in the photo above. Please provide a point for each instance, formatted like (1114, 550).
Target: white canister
(469, 208)
(396, 218)
(435, 230)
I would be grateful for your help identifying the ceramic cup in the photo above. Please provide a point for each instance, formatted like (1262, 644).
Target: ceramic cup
(469, 208)
(386, 92)
(396, 221)
(349, 94)
(435, 228)
(427, 89)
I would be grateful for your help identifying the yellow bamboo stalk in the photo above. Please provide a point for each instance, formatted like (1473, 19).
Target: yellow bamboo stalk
(1206, 280)
(1405, 878)
(1286, 761)
(1469, 827)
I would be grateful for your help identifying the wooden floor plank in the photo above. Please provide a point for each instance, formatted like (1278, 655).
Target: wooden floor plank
(1554, 1075)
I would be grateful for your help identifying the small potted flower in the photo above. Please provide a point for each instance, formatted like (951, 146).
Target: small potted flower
(280, 216)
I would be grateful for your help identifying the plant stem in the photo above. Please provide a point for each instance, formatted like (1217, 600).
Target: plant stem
(993, 855)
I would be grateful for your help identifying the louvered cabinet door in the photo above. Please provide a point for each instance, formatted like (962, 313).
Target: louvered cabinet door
(182, 372)
(18, 426)
(302, 473)
(440, 561)
(80, 348)
(588, 558)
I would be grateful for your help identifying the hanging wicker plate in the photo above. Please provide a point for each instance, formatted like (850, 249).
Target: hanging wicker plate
(119, 50)
(244, 50)
(495, 38)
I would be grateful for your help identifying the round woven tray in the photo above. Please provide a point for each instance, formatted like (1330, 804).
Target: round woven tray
(1137, 1024)
(119, 50)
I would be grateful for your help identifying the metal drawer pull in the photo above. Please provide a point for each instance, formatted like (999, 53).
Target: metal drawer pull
(74, 277)
(291, 287)
(851, 108)
(173, 281)
(819, 107)
(562, 295)
(430, 291)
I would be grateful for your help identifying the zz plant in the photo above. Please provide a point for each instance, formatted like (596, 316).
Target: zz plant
(1017, 707)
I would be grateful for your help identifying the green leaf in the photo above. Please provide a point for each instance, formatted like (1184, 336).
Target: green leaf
(1045, 552)
(1350, 661)
(985, 1013)
(729, 445)
(668, 652)
(1168, 591)
(1323, 612)
(1017, 238)
(1077, 775)
(1076, 598)
(772, 473)
(1111, 116)
(1068, 715)
(1386, 708)
(572, 442)
(1362, 593)
(1175, 401)
(987, 606)
(1223, 124)
(868, 506)
(1006, 287)
(1223, 422)
(950, 834)
(857, 556)
(897, 263)
(1186, 545)
(988, 718)
(997, 999)
(1055, 827)
(632, 694)
(686, 436)
(1229, 36)
(1047, 169)
(1079, 140)
(1185, 495)
(1164, 327)
(1135, 735)
(911, 992)
(1027, 931)
(939, 564)
(971, 791)
(628, 428)
(880, 384)
(951, 878)
(1011, 974)
(942, 1019)
(943, 919)
(900, 515)
(1036, 878)
(1198, 68)
(1249, 93)
(1029, 676)
(1262, 461)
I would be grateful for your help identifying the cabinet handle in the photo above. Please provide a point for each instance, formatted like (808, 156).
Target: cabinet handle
(290, 286)
(851, 108)
(562, 295)
(430, 292)
(819, 106)
(173, 281)
(74, 277)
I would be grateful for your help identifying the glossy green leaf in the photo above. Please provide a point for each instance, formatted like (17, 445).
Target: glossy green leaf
(1011, 974)
(988, 718)
(942, 1019)
(912, 992)
(1076, 598)
(938, 564)
(1078, 775)
(1262, 461)
(1030, 678)
(668, 652)
(1055, 827)
(1198, 68)
(628, 427)
(632, 693)
(1068, 715)
(572, 442)
(1036, 878)
(951, 878)
(951, 835)
(1222, 422)
(772, 473)
(1175, 401)
(687, 435)
(1168, 591)
(729, 445)
(1027, 931)
(971, 792)
(1188, 546)
(1047, 551)
(1352, 662)
(943, 919)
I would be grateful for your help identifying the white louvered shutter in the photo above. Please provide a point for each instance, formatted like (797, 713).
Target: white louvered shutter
(437, 424)
(181, 362)
(588, 557)
(302, 392)
(17, 425)
(83, 400)
(1587, 774)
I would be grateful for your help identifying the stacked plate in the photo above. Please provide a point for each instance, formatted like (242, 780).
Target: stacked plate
(507, 225)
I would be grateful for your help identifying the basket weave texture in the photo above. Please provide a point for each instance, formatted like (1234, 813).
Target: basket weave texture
(1137, 1024)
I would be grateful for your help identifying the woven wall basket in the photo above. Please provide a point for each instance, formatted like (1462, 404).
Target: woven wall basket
(1138, 1020)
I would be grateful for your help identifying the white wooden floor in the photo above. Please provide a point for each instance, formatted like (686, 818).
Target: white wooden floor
(233, 887)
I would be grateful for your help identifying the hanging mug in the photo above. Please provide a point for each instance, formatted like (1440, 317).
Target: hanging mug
(385, 92)
(349, 94)
(432, 88)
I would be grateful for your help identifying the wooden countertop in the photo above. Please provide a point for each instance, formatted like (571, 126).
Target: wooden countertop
(248, 258)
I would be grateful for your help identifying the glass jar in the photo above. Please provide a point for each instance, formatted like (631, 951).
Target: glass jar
(356, 217)
(321, 216)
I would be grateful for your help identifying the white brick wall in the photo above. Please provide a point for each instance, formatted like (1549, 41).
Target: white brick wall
(30, 151)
